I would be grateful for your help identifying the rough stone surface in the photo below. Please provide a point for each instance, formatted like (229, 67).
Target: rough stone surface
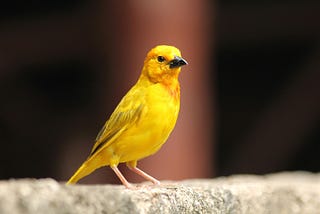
(295, 192)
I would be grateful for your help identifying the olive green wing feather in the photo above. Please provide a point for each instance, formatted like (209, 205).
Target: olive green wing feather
(127, 113)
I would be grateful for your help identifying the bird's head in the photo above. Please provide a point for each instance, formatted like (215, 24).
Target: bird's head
(162, 64)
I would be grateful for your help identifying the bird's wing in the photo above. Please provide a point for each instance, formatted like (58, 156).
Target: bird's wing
(126, 114)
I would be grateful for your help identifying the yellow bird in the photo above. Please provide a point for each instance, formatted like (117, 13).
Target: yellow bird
(142, 121)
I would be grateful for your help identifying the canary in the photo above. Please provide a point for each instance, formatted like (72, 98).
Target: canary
(142, 121)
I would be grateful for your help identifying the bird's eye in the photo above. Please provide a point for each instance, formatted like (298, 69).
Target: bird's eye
(161, 59)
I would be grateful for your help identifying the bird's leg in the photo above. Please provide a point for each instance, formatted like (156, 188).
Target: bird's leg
(133, 167)
(122, 178)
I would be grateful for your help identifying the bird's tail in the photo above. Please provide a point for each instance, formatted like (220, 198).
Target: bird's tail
(85, 169)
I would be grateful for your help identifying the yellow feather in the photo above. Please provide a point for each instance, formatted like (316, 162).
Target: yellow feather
(144, 118)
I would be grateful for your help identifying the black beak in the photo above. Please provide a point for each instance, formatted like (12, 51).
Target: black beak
(177, 62)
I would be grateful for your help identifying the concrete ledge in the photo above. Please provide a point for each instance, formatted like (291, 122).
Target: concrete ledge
(295, 192)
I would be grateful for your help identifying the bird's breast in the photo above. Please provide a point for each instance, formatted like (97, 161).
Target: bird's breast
(163, 107)
(157, 120)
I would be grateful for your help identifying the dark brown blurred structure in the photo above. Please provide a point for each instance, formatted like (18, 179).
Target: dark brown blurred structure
(58, 84)
(269, 91)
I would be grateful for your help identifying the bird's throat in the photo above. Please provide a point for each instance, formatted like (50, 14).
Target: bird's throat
(173, 89)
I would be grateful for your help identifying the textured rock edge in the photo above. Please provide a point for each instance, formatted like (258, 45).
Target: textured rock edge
(287, 192)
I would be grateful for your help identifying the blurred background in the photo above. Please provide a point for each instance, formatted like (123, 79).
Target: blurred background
(250, 96)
